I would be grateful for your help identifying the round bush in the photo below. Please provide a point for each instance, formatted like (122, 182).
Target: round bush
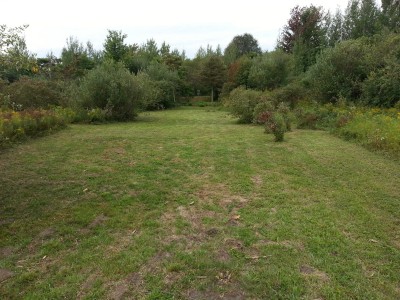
(111, 88)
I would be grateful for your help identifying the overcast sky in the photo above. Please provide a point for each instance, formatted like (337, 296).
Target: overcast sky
(185, 25)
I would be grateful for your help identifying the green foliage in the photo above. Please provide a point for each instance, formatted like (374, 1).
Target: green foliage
(242, 102)
(16, 126)
(270, 71)
(241, 45)
(382, 87)
(375, 128)
(112, 88)
(277, 125)
(291, 94)
(263, 110)
(114, 46)
(339, 71)
(363, 71)
(391, 15)
(34, 93)
(77, 59)
(151, 96)
(15, 59)
(304, 35)
(237, 75)
(362, 19)
(213, 73)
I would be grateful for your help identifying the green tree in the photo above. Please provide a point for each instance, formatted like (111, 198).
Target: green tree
(391, 14)
(240, 45)
(270, 71)
(335, 28)
(15, 59)
(361, 19)
(75, 59)
(167, 81)
(304, 35)
(114, 45)
(213, 73)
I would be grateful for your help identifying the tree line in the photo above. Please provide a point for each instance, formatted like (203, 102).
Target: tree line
(351, 55)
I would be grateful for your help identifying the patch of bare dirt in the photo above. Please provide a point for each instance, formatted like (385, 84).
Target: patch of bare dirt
(114, 151)
(100, 219)
(123, 240)
(87, 285)
(134, 281)
(42, 236)
(198, 231)
(310, 271)
(257, 180)
(46, 233)
(119, 290)
(397, 244)
(222, 255)
(219, 194)
(286, 244)
(172, 277)
(5, 274)
(233, 244)
(202, 295)
(232, 294)
(6, 252)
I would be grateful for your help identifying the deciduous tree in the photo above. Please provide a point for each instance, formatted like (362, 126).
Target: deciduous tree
(213, 73)
(244, 44)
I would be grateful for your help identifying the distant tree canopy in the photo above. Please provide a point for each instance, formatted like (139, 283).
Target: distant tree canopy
(212, 74)
(241, 45)
(304, 35)
(15, 59)
(351, 54)
(76, 58)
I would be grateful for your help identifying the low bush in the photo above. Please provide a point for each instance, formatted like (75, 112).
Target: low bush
(242, 102)
(375, 128)
(277, 126)
(17, 125)
(33, 93)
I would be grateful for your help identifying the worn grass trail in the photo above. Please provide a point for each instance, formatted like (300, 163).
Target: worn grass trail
(187, 204)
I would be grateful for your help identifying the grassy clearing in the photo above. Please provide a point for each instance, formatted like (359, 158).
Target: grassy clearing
(186, 204)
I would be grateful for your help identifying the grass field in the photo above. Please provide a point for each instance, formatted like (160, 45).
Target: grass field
(187, 204)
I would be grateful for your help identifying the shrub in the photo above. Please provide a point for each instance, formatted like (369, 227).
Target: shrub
(277, 125)
(374, 128)
(291, 94)
(270, 71)
(263, 111)
(34, 93)
(241, 103)
(110, 87)
(382, 87)
(339, 71)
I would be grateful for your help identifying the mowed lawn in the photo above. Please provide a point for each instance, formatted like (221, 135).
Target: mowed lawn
(188, 204)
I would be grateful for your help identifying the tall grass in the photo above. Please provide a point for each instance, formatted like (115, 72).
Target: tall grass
(374, 128)
(18, 125)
